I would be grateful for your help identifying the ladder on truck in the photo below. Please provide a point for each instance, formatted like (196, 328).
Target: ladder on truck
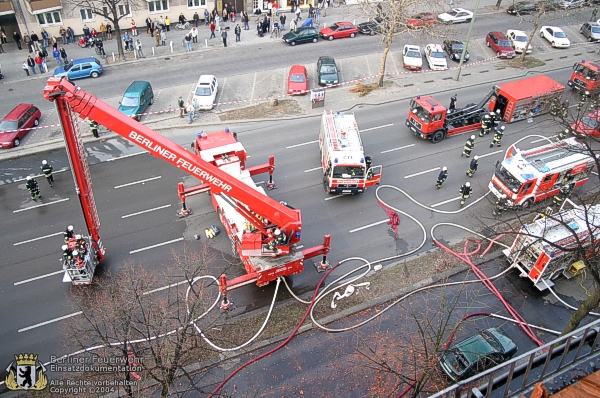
(341, 135)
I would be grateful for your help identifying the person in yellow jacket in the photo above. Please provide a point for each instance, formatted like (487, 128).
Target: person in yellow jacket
(167, 23)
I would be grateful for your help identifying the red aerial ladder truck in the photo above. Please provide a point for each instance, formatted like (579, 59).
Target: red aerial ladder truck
(585, 77)
(264, 232)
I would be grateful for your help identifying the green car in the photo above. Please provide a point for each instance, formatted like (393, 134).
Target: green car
(302, 34)
(327, 71)
(485, 350)
(137, 98)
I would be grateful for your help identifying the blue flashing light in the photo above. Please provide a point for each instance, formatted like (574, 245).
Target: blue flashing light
(335, 160)
(432, 108)
(338, 112)
(199, 135)
(583, 61)
(227, 129)
(418, 97)
(298, 235)
(362, 160)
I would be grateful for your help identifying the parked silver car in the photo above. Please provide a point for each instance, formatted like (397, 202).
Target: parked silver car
(591, 30)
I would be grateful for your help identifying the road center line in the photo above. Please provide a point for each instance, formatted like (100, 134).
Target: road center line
(541, 139)
(378, 127)
(137, 182)
(50, 321)
(34, 239)
(146, 211)
(422, 172)
(446, 201)
(40, 205)
(397, 149)
(125, 156)
(334, 197)
(304, 143)
(39, 277)
(156, 245)
(491, 153)
(315, 169)
(368, 226)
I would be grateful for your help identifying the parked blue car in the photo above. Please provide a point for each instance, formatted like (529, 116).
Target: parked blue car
(80, 68)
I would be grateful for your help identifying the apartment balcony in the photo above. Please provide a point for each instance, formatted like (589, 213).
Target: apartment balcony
(6, 7)
(39, 6)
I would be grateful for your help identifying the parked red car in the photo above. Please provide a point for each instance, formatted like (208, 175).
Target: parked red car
(338, 30)
(15, 125)
(297, 80)
(498, 42)
(421, 19)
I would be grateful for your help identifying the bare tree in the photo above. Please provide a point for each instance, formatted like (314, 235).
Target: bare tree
(151, 328)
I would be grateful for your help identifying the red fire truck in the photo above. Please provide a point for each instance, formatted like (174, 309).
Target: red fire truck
(516, 100)
(264, 233)
(585, 77)
(545, 246)
(528, 176)
(346, 168)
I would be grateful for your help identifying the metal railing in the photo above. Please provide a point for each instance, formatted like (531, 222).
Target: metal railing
(519, 375)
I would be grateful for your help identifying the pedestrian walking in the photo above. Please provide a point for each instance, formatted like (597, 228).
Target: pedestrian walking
(238, 33)
(190, 111)
(465, 193)
(206, 18)
(31, 64)
(594, 14)
(293, 25)
(63, 55)
(17, 39)
(298, 13)
(452, 106)
(47, 171)
(224, 36)
(94, 128)
(196, 106)
(25, 68)
(498, 137)
(212, 31)
(473, 166)
(501, 205)
(33, 188)
(188, 42)
(56, 56)
(469, 146)
(181, 108)
(138, 49)
(442, 177)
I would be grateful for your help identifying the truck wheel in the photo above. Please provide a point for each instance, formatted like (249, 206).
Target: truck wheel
(527, 204)
(437, 136)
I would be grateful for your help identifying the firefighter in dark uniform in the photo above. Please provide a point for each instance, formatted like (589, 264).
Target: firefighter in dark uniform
(465, 192)
(497, 140)
(562, 135)
(485, 125)
(453, 100)
(469, 146)
(68, 234)
(501, 205)
(564, 193)
(565, 109)
(94, 127)
(67, 255)
(555, 108)
(47, 170)
(473, 166)
(33, 188)
(492, 116)
(497, 119)
(80, 245)
(442, 177)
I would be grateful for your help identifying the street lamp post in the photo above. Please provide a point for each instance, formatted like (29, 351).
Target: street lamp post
(462, 56)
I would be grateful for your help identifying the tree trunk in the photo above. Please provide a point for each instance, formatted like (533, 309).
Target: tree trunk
(584, 309)
(386, 49)
(119, 41)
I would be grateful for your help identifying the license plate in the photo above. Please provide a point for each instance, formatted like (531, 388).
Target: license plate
(413, 129)
(346, 191)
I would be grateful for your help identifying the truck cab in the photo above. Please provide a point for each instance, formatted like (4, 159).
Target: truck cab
(426, 116)
(585, 77)
(588, 125)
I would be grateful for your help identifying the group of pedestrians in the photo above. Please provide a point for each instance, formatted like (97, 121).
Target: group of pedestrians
(192, 109)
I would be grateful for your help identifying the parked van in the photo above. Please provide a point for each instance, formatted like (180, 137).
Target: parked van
(136, 99)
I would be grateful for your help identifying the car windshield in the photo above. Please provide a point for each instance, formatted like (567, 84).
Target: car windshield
(437, 54)
(560, 35)
(334, 27)
(595, 29)
(297, 78)
(7, 125)
(203, 91)
(521, 39)
(588, 121)
(457, 360)
(328, 69)
(419, 111)
(507, 178)
(504, 43)
(452, 13)
(68, 67)
(130, 101)
(492, 340)
(413, 54)
(352, 171)
(458, 47)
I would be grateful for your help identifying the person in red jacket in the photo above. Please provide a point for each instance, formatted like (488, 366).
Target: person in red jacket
(39, 61)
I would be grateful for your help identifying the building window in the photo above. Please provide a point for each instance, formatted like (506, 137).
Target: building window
(124, 10)
(86, 15)
(196, 3)
(49, 18)
(158, 5)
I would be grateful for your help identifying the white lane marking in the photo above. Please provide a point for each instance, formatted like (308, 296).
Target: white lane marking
(39, 277)
(378, 127)
(315, 169)
(368, 226)
(40, 205)
(304, 143)
(542, 139)
(490, 154)
(163, 288)
(156, 245)
(34, 239)
(593, 172)
(334, 197)
(137, 182)
(146, 211)
(422, 172)
(50, 321)
(445, 201)
(299, 246)
(397, 149)
(41, 175)
(125, 156)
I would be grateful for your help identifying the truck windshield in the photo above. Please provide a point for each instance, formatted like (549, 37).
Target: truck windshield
(507, 178)
(589, 122)
(419, 111)
(352, 171)
(589, 74)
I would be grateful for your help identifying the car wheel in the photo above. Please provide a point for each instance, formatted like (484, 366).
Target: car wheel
(581, 31)
(468, 20)
(437, 136)
(315, 40)
(372, 33)
(498, 54)
(542, 35)
(487, 43)
(16, 142)
(352, 34)
(152, 100)
(553, 44)
(527, 204)
(36, 122)
(330, 38)
(293, 43)
(95, 74)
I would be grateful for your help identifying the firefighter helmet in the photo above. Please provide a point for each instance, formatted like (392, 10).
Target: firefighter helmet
(77, 237)
(70, 228)
(467, 184)
(476, 157)
(502, 128)
(473, 137)
(444, 168)
(64, 247)
(44, 162)
(75, 253)
(28, 178)
(277, 232)
(503, 196)
(498, 111)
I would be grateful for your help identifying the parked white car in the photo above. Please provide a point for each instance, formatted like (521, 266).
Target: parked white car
(412, 57)
(436, 57)
(555, 36)
(518, 39)
(206, 91)
(456, 15)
